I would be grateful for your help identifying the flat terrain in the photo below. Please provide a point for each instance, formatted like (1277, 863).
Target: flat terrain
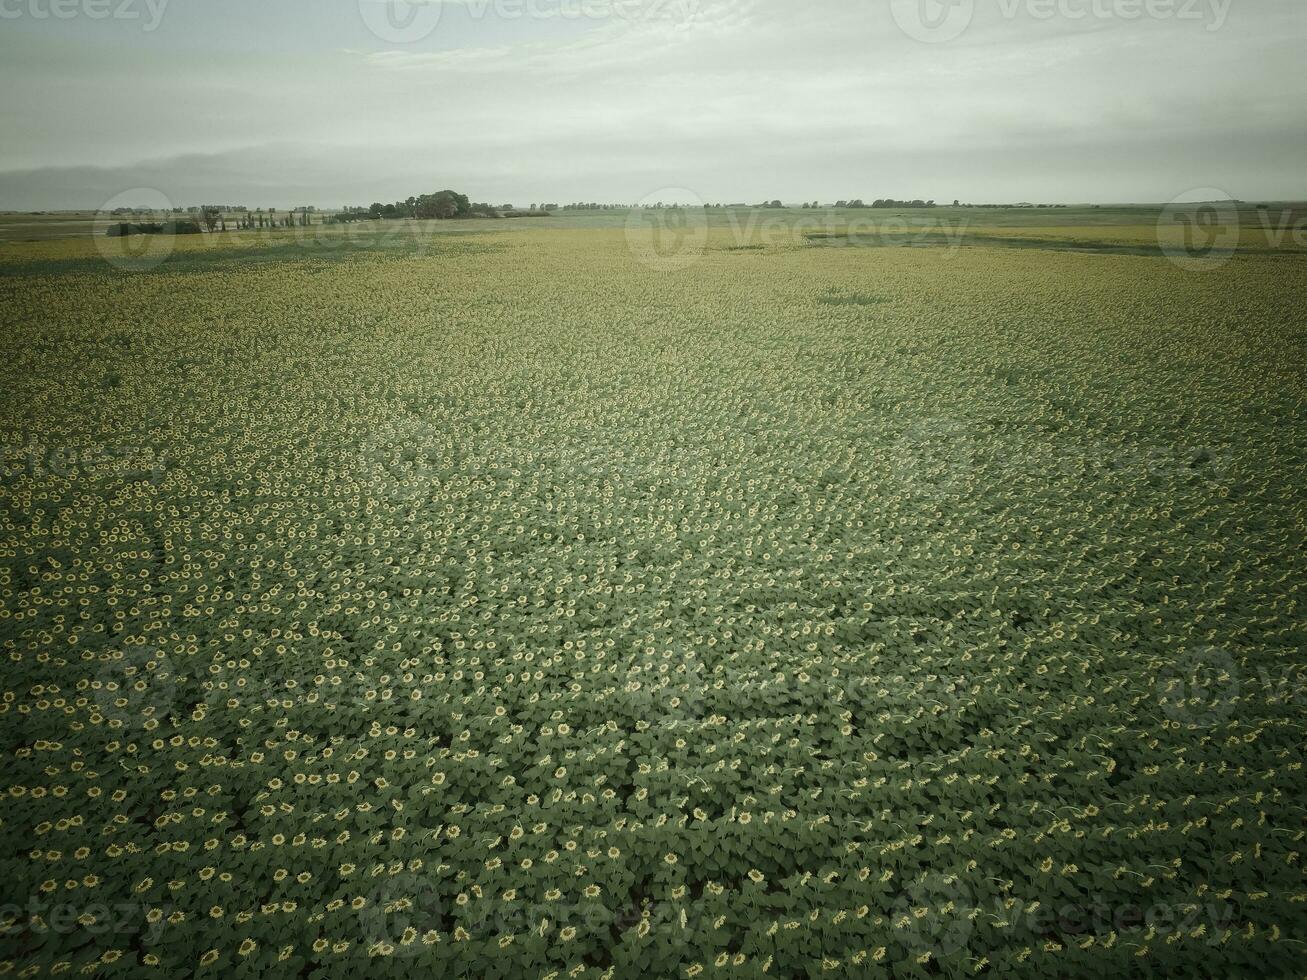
(606, 596)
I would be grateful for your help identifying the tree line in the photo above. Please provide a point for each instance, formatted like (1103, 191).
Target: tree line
(441, 205)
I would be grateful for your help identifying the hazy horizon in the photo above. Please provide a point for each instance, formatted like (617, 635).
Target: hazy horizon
(520, 202)
(614, 100)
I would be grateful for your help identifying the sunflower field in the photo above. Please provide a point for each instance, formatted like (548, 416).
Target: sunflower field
(500, 605)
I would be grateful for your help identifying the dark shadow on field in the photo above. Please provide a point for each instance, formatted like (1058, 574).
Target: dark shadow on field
(928, 239)
(327, 251)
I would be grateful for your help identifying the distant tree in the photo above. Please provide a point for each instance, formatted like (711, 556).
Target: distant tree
(209, 216)
(442, 204)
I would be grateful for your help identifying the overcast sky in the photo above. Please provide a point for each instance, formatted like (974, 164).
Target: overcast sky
(284, 102)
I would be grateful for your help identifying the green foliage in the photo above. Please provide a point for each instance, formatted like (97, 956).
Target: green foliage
(512, 610)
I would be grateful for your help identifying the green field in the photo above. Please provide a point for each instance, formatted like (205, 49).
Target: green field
(580, 597)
